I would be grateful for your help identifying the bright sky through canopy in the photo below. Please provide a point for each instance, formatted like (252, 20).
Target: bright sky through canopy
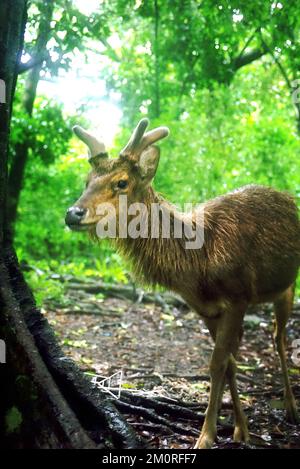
(81, 86)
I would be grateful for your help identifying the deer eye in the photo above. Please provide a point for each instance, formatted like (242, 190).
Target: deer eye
(122, 184)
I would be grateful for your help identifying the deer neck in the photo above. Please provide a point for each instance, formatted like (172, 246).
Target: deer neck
(159, 259)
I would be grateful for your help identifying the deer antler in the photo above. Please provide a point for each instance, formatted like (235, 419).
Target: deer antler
(96, 148)
(139, 140)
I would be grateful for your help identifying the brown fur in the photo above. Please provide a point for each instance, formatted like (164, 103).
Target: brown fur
(251, 254)
(251, 250)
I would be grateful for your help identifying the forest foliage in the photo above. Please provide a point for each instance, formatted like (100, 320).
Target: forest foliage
(219, 75)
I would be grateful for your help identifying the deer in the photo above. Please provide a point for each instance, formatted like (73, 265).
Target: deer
(250, 255)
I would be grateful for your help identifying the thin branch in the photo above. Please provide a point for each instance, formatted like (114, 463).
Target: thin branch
(286, 78)
(247, 43)
(249, 40)
(248, 57)
(185, 81)
(277, 61)
(156, 59)
(24, 67)
(112, 51)
(109, 48)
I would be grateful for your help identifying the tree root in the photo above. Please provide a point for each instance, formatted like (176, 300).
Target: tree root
(53, 423)
(172, 409)
(150, 415)
(87, 403)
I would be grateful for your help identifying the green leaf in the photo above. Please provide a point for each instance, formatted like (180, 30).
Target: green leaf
(13, 420)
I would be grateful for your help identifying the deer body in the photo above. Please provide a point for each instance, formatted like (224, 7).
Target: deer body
(251, 254)
(251, 251)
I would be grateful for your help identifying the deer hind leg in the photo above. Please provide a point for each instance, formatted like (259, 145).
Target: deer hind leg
(225, 332)
(283, 309)
(241, 432)
(230, 372)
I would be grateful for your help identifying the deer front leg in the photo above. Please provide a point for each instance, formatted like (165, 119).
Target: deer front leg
(228, 327)
(218, 366)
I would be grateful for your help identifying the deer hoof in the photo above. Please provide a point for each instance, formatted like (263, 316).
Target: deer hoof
(292, 415)
(241, 434)
(205, 441)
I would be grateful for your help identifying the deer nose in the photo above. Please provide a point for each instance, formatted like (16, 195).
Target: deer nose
(75, 215)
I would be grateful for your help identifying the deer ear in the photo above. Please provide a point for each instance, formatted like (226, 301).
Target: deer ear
(148, 163)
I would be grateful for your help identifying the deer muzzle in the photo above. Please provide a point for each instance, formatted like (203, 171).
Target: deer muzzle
(75, 218)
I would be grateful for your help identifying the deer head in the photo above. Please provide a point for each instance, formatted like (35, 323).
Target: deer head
(129, 174)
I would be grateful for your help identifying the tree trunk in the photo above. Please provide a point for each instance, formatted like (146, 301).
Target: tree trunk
(12, 25)
(46, 402)
(24, 377)
(18, 165)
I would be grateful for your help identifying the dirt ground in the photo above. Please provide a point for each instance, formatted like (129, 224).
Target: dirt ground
(165, 350)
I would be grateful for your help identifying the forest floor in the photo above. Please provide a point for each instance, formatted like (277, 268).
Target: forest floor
(164, 349)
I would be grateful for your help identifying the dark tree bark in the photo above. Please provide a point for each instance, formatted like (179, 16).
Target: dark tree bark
(18, 165)
(24, 376)
(46, 402)
(12, 25)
